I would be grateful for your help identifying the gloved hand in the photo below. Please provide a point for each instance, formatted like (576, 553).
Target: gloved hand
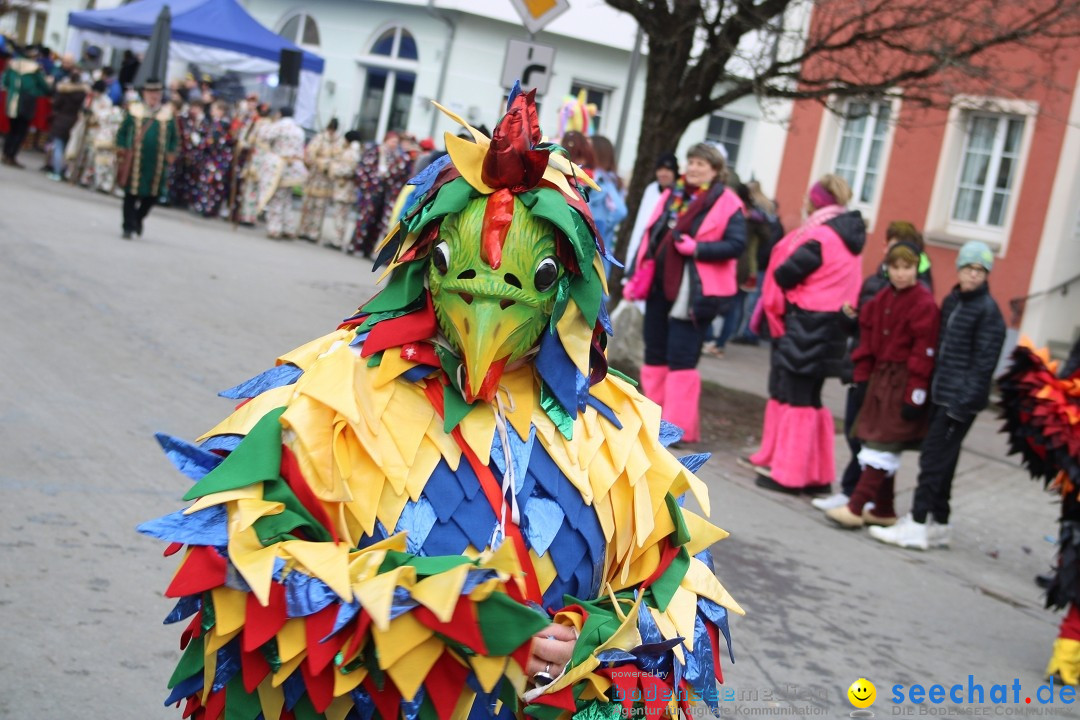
(685, 245)
(911, 413)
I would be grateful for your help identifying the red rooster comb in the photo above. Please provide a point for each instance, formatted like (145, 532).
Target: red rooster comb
(511, 161)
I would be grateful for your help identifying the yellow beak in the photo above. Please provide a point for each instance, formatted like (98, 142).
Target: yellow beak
(486, 333)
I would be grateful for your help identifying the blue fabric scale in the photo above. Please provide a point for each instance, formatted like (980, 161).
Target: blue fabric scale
(190, 460)
(306, 595)
(483, 707)
(185, 689)
(228, 664)
(453, 513)
(205, 527)
(275, 377)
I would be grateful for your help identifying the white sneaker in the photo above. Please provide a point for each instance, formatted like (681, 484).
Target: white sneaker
(938, 535)
(830, 502)
(906, 533)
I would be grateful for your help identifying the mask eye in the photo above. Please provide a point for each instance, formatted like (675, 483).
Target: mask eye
(440, 257)
(547, 272)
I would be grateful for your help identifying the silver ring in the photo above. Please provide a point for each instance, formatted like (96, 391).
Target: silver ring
(544, 677)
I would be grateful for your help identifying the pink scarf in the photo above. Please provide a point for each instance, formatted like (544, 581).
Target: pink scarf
(772, 295)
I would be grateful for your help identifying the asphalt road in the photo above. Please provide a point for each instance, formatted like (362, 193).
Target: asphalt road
(105, 341)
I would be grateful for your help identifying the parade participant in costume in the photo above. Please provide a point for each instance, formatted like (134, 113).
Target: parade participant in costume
(24, 82)
(972, 333)
(449, 507)
(146, 145)
(685, 273)
(79, 149)
(576, 114)
(213, 163)
(320, 153)
(343, 192)
(898, 332)
(1042, 418)
(813, 271)
(184, 177)
(251, 148)
(105, 125)
(283, 169)
(381, 174)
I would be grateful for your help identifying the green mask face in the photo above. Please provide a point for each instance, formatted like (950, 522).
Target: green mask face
(493, 316)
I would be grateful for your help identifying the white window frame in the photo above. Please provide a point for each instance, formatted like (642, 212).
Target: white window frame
(729, 116)
(36, 14)
(393, 65)
(827, 151)
(602, 112)
(298, 40)
(941, 228)
(997, 155)
(866, 142)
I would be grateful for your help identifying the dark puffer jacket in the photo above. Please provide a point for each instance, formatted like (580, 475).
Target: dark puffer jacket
(814, 343)
(972, 333)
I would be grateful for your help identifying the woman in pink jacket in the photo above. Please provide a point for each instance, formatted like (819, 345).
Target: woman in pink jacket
(686, 276)
(814, 271)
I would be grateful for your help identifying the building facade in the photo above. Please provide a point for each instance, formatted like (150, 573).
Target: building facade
(1000, 168)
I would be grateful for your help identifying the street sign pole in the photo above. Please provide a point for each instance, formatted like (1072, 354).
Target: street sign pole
(530, 63)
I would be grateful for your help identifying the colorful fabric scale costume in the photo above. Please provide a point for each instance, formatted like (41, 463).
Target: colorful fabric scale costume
(214, 159)
(396, 508)
(1042, 419)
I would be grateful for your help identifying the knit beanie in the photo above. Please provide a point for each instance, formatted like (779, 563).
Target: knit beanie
(975, 253)
(669, 161)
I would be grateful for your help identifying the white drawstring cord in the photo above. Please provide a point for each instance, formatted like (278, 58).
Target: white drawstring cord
(509, 480)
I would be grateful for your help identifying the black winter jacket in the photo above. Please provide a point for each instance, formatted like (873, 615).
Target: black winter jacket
(815, 343)
(972, 333)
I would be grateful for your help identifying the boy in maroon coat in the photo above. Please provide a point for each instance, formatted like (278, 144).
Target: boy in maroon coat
(898, 332)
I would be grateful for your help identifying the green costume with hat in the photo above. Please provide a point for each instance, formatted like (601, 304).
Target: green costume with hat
(151, 140)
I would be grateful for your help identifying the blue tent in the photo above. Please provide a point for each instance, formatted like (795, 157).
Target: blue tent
(222, 24)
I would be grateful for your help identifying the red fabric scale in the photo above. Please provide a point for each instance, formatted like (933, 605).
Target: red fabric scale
(498, 214)
(290, 471)
(203, 569)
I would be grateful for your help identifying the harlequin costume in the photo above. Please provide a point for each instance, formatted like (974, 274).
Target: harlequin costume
(1042, 418)
(214, 159)
(380, 175)
(397, 507)
(319, 156)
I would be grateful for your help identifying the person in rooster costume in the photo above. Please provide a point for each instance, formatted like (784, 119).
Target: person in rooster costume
(1041, 410)
(449, 507)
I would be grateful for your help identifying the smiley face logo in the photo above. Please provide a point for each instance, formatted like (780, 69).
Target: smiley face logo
(862, 693)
